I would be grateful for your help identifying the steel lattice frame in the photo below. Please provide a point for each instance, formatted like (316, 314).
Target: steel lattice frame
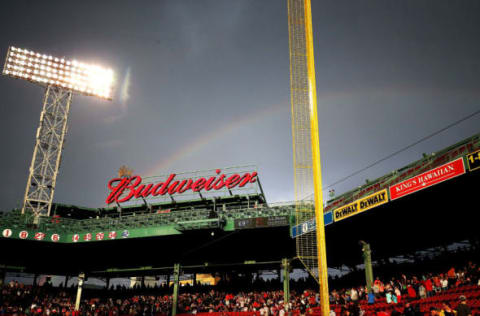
(62, 78)
(306, 152)
(47, 153)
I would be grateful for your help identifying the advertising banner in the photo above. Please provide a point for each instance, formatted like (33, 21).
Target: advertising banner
(361, 205)
(444, 172)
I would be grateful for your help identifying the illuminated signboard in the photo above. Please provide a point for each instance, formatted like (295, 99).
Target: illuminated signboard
(210, 183)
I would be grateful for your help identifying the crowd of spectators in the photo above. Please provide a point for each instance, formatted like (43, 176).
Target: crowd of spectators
(403, 287)
(20, 299)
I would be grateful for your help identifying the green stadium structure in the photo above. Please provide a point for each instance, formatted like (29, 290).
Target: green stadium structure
(244, 232)
(74, 224)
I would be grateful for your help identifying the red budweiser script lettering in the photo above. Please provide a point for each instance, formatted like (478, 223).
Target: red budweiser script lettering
(124, 189)
(429, 178)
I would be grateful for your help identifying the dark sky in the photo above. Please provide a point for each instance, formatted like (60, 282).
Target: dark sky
(205, 84)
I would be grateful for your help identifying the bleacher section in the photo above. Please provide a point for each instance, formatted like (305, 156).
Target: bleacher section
(471, 292)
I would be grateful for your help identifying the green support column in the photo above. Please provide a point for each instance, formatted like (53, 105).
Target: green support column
(35, 279)
(286, 282)
(176, 277)
(367, 260)
(81, 278)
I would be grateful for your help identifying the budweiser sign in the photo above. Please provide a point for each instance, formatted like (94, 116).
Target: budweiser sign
(127, 188)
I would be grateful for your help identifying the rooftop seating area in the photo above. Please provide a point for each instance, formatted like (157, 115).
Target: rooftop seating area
(426, 163)
(15, 219)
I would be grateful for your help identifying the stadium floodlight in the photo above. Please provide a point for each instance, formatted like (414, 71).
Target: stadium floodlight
(72, 75)
(61, 78)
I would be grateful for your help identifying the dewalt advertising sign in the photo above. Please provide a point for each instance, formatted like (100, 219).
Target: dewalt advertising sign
(361, 205)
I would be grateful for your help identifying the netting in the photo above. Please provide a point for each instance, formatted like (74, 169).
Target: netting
(306, 244)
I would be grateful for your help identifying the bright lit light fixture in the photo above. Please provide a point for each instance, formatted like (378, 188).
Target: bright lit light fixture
(73, 75)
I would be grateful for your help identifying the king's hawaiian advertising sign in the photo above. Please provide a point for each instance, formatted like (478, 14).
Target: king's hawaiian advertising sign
(208, 183)
(434, 176)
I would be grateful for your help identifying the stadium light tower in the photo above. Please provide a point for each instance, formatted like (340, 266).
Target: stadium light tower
(61, 79)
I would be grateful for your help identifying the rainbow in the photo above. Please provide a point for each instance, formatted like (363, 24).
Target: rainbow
(222, 131)
(341, 96)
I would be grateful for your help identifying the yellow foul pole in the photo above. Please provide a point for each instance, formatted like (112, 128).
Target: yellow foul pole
(306, 150)
(317, 167)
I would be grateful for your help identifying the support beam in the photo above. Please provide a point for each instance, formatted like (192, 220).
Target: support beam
(67, 278)
(35, 276)
(2, 276)
(176, 278)
(286, 282)
(107, 283)
(367, 260)
(47, 153)
(81, 278)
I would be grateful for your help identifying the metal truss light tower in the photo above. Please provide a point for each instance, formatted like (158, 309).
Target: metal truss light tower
(61, 79)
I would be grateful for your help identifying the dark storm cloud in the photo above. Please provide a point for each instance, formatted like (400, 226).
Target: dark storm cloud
(197, 79)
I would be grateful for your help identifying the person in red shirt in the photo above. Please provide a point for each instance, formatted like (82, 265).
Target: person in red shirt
(411, 291)
(451, 276)
(429, 287)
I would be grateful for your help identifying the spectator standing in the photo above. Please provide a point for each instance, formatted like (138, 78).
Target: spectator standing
(354, 295)
(421, 291)
(394, 298)
(444, 284)
(463, 309)
(398, 294)
(388, 297)
(376, 290)
(429, 287)
(411, 291)
(451, 276)
(371, 298)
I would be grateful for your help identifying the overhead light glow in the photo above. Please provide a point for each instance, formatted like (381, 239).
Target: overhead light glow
(74, 75)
